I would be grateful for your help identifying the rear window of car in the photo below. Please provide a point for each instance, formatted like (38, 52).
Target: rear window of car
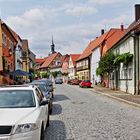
(17, 99)
(86, 81)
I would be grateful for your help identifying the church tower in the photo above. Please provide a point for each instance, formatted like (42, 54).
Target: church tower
(52, 46)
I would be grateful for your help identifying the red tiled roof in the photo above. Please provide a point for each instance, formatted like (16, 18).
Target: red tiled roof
(74, 57)
(110, 37)
(93, 44)
(8, 28)
(39, 60)
(134, 26)
(48, 60)
(16, 36)
(64, 58)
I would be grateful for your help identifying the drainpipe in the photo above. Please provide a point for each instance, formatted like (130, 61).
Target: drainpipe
(136, 63)
(136, 45)
(137, 40)
(135, 91)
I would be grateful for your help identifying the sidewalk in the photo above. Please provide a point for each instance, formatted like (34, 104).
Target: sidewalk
(118, 95)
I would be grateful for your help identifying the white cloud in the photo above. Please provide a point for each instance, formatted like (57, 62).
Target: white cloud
(122, 19)
(38, 25)
(101, 2)
(79, 10)
(11, 0)
(35, 26)
(29, 19)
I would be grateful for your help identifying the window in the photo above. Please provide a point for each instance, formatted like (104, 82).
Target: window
(129, 73)
(86, 62)
(126, 73)
(39, 96)
(117, 51)
(17, 99)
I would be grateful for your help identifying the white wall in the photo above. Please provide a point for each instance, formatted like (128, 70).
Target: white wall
(126, 46)
(71, 69)
(94, 65)
(18, 54)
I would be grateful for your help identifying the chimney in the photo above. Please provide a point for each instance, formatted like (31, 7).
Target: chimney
(137, 12)
(102, 31)
(122, 27)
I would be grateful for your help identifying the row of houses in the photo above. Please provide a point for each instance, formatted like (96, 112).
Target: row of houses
(84, 66)
(63, 65)
(14, 54)
(120, 41)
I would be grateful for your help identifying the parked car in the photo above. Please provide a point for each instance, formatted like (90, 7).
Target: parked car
(58, 81)
(24, 113)
(85, 83)
(48, 83)
(45, 93)
(74, 82)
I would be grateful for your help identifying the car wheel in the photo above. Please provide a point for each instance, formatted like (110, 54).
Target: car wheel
(48, 119)
(42, 133)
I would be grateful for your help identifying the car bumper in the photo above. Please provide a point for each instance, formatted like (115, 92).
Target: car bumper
(32, 135)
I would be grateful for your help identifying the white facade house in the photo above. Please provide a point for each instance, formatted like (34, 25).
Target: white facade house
(72, 66)
(124, 77)
(71, 69)
(127, 78)
(95, 58)
(18, 55)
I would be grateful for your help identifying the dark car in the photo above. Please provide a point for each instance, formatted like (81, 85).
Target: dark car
(48, 83)
(46, 93)
(85, 83)
(58, 81)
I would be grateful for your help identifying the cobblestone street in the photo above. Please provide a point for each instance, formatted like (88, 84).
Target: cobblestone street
(81, 114)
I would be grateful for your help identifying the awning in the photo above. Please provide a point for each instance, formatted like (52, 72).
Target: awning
(19, 73)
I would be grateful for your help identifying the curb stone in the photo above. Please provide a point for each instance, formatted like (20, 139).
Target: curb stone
(117, 98)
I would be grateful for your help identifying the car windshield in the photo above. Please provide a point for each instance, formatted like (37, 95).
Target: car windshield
(17, 99)
(43, 88)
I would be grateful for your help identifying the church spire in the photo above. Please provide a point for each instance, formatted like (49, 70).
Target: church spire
(52, 46)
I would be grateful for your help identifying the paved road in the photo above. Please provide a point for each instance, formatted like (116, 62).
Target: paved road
(81, 114)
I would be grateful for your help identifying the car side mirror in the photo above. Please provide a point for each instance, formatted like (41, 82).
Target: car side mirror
(44, 102)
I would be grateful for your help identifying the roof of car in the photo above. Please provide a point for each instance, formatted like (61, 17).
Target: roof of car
(17, 87)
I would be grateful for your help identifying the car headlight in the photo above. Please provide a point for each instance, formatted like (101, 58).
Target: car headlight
(22, 128)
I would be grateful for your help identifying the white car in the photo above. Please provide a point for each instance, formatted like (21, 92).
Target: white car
(24, 113)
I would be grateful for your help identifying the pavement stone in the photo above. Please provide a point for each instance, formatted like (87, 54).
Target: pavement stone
(79, 114)
(119, 95)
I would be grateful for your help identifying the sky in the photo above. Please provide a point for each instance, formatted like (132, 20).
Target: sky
(72, 23)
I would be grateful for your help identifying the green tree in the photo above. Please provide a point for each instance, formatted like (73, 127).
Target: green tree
(45, 75)
(54, 74)
(106, 64)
